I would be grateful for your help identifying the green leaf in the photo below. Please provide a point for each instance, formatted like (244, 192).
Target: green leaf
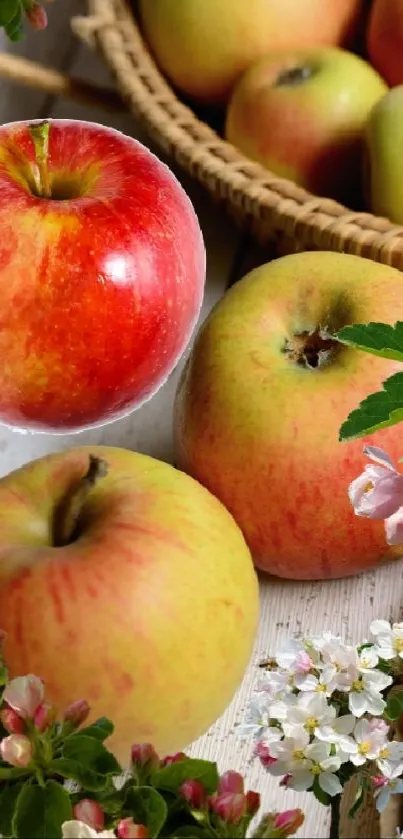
(100, 729)
(173, 776)
(73, 770)
(8, 11)
(8, 800)
(380, 410)
(147, 807)
(379, 339)
(394, 706)
(91, 753)
(357, 803)
(41, 811)
(319, 794)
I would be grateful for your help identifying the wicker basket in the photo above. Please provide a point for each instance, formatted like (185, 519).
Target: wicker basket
(269, 206)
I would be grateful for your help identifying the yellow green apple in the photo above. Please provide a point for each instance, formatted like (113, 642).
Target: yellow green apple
(126, 583)
(204, 45)
(302, 114)
(261, 401)
(383, 160)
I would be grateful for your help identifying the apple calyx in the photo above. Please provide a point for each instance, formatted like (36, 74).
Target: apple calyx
(39, 132)
(294, 76)
(313, 350)
(67, 514)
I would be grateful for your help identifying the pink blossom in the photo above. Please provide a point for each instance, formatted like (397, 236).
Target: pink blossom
(44, 716)
(11, 721)
(228, 806)
(252, 802)
(144, 755)
(194, 793)
(16, 749)
(128, 829)
(37, 16)
(230, 782)
(77, 712)
(378, 492)
(169, 759)
(263, 753)
(89, 812)
(379, 781)
(282, 824)
(379, 725)
(24, 695)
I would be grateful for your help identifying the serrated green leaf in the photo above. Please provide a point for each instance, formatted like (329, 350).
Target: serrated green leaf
(91, 753)
(100, 729)
(173, 776)
(394, 706)
(379, 339)
(9, 9)
(73, 770)
(147, 807)
(380, 410)
(41, 811)
(8, 801)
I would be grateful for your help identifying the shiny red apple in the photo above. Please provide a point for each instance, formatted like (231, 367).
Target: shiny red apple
(102, 269)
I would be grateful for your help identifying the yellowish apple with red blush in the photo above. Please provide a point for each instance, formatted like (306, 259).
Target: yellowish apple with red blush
(302, 115)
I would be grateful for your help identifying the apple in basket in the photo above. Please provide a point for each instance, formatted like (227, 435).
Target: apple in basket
(102, 269)
(302, 114)
(384, 160)
(204, 45)
(261, 401)
(124, 582)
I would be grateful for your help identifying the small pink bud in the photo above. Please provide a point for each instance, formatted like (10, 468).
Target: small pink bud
(45, 716)
(89, 812)
(263, 753)
(285, 780)
(231, 782)
(379, 781)
(144, 755)
(24, 695)
(169, 759)
(11, 721)
(128, 829)
(252, 802)
(37, 16)
(16, 749)
(289, 821)
(194, 793)
(229, 806)
(77, 713)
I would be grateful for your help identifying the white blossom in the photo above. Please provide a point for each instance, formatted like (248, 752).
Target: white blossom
(390, 756)
(257, 717)
(320, 764)
(365, 696)
(274, 683)
(294, 658)
(337, 733)
(390, 783)
(367, 659)
(389, 639)
(79, 830)
(311, 711)
(368, 741)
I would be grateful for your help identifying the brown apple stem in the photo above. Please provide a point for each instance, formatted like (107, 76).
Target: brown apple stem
(69, 510)
(40, 137)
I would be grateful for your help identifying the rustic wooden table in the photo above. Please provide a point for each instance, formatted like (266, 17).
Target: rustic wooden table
(345, 606)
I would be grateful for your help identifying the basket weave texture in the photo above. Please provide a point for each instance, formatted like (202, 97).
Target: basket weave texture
(269, 206)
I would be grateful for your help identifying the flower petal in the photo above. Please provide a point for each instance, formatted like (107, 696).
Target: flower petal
(357, 703)
(301, 781)
(378, 455)
(330, 783)
(380, 627)
(394, 528)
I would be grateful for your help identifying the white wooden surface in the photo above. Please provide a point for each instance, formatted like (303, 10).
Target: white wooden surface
(345, 606)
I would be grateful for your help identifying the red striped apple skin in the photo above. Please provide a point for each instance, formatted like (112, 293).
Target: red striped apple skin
(262, 432)
(150, 614)
(99, 292)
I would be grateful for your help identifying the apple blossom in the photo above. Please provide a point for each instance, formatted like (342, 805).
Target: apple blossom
(11, 721)
(230, 807)
(175, 758)
(369, 742)
(365, 696)
(230, 782)
(16, 749)
(281, 824)
(257, 717)
(194, 793)
(390, 783)
(77, 712)
(37, 16)
(389, 639)
(45, 716)
(390, 755)
(311, 711)
(262, 751)
(90, 812)
(128, 829)
(144, 756)
(24, 695)
(74, 829)
(378, 492)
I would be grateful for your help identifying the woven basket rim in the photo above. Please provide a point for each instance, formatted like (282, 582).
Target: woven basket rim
(269, 202)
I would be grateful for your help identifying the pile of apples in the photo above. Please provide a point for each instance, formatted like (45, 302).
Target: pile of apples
(304, 86)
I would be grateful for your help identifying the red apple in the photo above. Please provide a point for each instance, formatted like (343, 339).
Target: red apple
(385, 39)
(302, 115)
(102, 268)
(261, 401)
(134, 590)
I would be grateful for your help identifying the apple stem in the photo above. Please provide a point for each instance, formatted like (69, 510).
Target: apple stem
(39, 132)
(68, 513)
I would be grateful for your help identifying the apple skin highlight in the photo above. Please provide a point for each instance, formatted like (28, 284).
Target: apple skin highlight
(261, 431)
(101, 285)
